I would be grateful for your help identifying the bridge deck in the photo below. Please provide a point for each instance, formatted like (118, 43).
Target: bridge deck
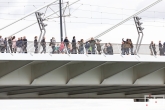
(80, 57)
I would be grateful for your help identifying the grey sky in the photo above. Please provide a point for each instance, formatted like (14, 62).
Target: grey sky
(88, 19)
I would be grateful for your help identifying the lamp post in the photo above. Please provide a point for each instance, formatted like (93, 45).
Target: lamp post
(61, 28)
(140, 33)
(41, 25)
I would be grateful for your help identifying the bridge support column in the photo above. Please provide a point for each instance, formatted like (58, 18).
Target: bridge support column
(76, 70)
(146, 69)
(115, 68)
(41, 69)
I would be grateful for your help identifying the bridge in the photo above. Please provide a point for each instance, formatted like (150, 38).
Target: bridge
(92, 76)
(85, 75)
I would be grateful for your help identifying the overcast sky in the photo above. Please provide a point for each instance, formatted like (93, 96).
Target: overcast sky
(88, 19)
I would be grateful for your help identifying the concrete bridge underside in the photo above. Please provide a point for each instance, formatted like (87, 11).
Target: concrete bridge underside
(89, 77)
(26, 73)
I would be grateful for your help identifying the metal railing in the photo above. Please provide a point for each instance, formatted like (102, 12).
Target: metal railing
(67, 48)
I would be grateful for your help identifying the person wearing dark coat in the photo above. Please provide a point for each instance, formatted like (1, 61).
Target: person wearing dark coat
(154, 49)
(24, 46)
(5, 45)
(74, 50)
(66, 41)
(43, 44)
(151, 47)
(10, 44)
(35, 44)
(98, 47)
(92, 45)
(81, 46)
(19, 45)
(109, 49)
(160, 48)
(164, 48)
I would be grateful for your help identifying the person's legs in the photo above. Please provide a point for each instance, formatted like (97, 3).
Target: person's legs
(44, 49)
(18, 49)
(160, 52)
(155, 52)
(5, 49)
(86, 49)
(81, 50)
(93, 50)
(132, 51)
(73, 51)
(151, 52)
(111, 52)
(128, 51)
(99, 51)
(11, 50)
(35, 49)
(53, 49)
(24, 49)
(125, 51)
(2, 49)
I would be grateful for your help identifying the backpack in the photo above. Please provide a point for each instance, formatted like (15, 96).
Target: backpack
(87, 45)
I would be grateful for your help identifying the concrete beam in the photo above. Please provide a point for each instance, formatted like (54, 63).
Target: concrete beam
(115, 68)
(41, 69)
(8, 67)
(75, 70)
(32, 90)
(146, 69)
(123, 90)
(158, 92)
(63, 90)
(146, 90)
(94, 89)
(15, 88)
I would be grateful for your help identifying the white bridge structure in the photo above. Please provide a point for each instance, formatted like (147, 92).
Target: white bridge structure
(82, 75)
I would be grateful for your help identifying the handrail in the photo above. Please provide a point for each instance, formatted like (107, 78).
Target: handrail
(144, 50)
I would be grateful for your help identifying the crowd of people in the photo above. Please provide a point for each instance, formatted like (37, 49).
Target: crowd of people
(127, 47)
(161, 48)
(11, 45)
(92, 46)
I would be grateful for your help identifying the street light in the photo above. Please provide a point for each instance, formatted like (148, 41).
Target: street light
(140, 29)
(41, 24)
